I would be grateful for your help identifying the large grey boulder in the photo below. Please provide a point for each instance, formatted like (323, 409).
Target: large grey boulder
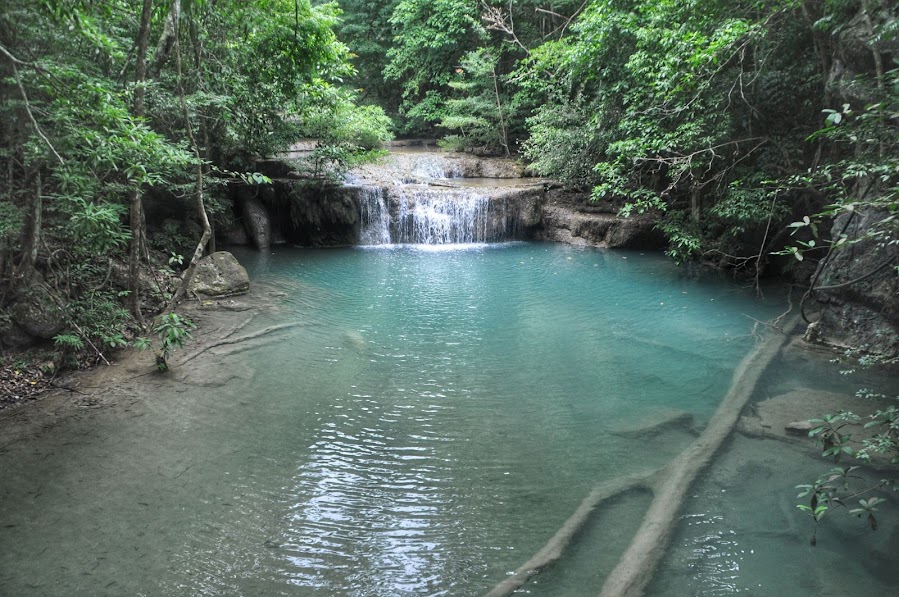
(219, 275)
(37, 315)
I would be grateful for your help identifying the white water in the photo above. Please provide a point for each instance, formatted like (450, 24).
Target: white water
(436, 166)
(426, 216)
(374, 216)
(440, 217)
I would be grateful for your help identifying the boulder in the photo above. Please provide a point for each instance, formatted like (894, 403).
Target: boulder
(256, 218)
(37, 315)
(12, 336)
(219, 275)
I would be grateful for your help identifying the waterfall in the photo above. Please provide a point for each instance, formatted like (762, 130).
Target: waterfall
(395, 205)
(374, 217)
(436, 166)
(444, 216)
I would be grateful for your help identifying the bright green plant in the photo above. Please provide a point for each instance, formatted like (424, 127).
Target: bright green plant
(839, 487)
(173, 331)
(68, 342)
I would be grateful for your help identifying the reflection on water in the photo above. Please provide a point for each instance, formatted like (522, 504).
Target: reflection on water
(426, 425)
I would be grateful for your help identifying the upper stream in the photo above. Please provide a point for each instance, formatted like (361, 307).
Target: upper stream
(426, 424)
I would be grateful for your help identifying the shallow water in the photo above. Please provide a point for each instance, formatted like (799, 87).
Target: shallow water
(431, 419)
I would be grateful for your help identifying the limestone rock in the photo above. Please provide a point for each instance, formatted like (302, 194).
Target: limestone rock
(37, 315)
(256, 219)
(219, 275)
(864, 314)
(566, 218)
(786, 417)
(635, 232)
(236, 235)
(12, 336)
(799, 427)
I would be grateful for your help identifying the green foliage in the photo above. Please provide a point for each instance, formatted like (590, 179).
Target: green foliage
(11, 220)
(840, 485)
(68, 342)
(172, 240)
(478, 110)
(245, 79)
(563, 143)
(430, 38)
(366, 29)
(684, 237)
(99, 316)
(173, 331)
(672, 106)
(862, 173)
(98, 226)
(346, 134)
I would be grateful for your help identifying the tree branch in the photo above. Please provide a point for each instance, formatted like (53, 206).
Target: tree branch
(14, 62)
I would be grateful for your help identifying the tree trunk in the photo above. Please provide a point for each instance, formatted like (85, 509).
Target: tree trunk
(138, 231)
(140, 70)
(200, 202)
(167, 39)
(504, 141)
(696, 202)
(31, 235)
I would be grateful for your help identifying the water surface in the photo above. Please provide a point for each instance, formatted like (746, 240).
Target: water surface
(432, 417)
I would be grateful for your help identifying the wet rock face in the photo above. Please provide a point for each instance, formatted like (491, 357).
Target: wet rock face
(219, 275)
(565, 219)
(257, 222)
(423, 196)
(864, 313)
(12, 336)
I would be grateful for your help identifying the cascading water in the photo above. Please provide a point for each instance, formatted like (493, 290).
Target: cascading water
(374, 216)
(436, 166)
(397, 207)
(443, 216)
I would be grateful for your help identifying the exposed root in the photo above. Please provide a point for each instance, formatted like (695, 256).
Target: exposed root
(227, 339)
(553, 549)
(637, 565)
(669, 486)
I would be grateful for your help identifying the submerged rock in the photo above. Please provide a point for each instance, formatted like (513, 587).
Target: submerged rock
(218, 275)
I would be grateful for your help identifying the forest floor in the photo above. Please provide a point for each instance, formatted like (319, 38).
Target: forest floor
(21, 381)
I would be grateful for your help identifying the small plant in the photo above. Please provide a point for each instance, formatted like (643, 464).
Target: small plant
(173, 331)
(68, 342)
(841, 485)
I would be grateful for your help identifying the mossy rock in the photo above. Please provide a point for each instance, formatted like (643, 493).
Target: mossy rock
(219, 275)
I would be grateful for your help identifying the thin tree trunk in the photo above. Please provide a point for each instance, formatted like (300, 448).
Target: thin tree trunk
(696, 202)
(502, 121)
(200, 203)
(31, 234)
(138, 231)
(140, 69)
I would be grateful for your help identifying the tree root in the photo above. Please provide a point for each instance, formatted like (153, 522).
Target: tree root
(637, 565)
(227, 339)
(553, 549)
(669, 486)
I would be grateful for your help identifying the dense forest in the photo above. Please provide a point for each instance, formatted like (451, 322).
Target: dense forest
(763, 134)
